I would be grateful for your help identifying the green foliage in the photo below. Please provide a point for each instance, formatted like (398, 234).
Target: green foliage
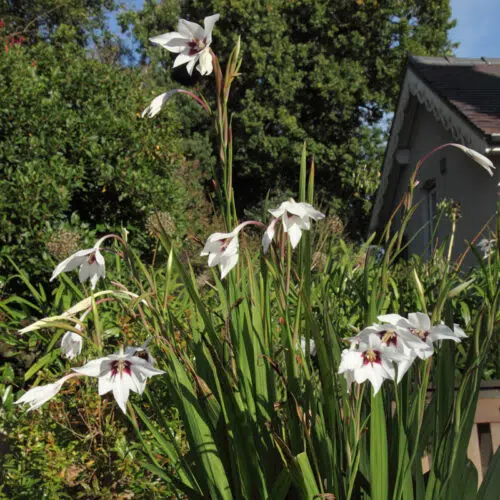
(319, 71)
(75, 154)
(55, 20)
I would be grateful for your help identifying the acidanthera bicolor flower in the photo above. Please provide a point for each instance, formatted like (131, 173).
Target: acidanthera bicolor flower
(312, 346)
(192, 43)
(120, 373)
(37, 396)
(486, 247)
(419, 324)
(397, 339)
(71, 344)
(142, 352)
(369, 360)
(90, 261)
(295, 217)
(222, 248)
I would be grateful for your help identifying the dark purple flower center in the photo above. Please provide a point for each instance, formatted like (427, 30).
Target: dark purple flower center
(388, 337)
(119, 367)
(196, 46)
(371, 356)
(224, 244)
(92, 259)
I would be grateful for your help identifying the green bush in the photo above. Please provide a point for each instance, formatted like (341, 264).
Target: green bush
(76, 156)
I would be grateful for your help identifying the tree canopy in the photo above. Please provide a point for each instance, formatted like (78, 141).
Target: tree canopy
(317, 71)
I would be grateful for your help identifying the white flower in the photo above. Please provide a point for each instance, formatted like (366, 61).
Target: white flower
(156, 105)
(71, 343)
(312, 346)
(370, 360)
(477, 157)
(269, 235)
(419, 324)
(120, 373)
(192, 43)
(142, 352)
(397, 339)
(486, 247)
(90, 261)
(222, 249)
(295, 218)
(39, 395)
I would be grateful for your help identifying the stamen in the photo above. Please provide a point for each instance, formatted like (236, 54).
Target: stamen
(421, 334)
(371, 356)
(118, 367)
(196, 45)
(388, 337)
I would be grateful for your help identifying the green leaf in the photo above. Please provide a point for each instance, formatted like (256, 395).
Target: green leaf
(490, 487)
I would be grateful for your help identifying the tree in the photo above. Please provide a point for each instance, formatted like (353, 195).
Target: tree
(55, 20)
(314, 70)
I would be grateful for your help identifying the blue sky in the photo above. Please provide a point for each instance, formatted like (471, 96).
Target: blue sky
(478, 27)
(477, 30)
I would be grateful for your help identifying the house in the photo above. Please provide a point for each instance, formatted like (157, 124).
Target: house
(443, 100)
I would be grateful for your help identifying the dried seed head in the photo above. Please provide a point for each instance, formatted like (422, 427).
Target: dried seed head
(62, 243)
(160, 222)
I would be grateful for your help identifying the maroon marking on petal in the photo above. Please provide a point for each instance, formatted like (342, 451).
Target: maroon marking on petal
(388, 337)
(196, 46)
(143, 354)
(371, 356)
(92, 258)
(119, 367)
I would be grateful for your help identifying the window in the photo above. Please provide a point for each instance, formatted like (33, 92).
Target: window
(429, 202)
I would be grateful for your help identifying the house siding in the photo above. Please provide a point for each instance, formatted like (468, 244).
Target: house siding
(455, 177)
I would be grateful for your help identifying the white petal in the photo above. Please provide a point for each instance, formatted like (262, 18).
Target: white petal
(278, 212)
(231, 248)
(183, 59)
(190, 29)
(95, 368)
(39, 395)
(403, 367)
(121, 392)
(420, 321)
(350, 360)
(191, 64)
(71, 344)
(295, 233)
(227, 265)
(173, 42)
(142, 367)
(392, 319)
(459, 332)
(477, 157)
(105, 384)
(156, 105)
(205, 64)
(72, 262)
(442, 332)
(269, 235)
(303, 209)
(209, 23)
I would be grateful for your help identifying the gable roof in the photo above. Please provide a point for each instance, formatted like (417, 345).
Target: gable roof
(462, 94)
(472, 86)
